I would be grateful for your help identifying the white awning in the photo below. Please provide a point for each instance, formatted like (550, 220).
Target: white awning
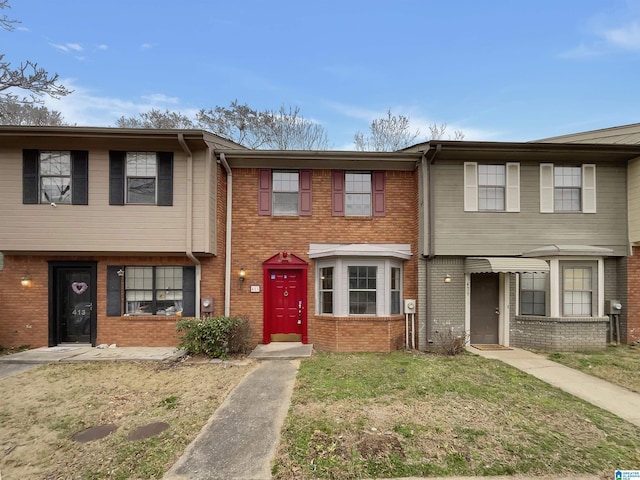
(504, 264)
(393, 250)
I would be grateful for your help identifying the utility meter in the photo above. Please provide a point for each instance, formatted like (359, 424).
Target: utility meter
(612, 307)
(409, 306)
(206, 305)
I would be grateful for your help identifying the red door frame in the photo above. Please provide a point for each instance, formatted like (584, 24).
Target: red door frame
(283, 261)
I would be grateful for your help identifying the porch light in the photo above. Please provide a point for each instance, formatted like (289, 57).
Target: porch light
(25, 281)
(242, 274)
(447, 278)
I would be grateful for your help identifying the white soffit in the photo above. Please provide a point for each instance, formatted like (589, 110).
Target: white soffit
(394, 250)
(559, 250)
(504, 265)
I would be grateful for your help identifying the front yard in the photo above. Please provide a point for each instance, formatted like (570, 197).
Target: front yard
(401, 415)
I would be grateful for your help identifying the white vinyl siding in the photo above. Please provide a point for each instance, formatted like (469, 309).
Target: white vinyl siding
(587, 189)
(510, 186)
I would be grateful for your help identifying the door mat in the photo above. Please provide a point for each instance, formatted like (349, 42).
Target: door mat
(490, 347)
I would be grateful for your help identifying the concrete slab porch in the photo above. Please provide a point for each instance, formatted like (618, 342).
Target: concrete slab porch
(282, 351)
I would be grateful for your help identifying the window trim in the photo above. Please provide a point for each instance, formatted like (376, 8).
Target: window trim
(118, 179)
(79, 177)
(545, 291)
(378, 193)
(511, 187)
(588, 188)
(265, 199)
(341, 289)
(566, 265)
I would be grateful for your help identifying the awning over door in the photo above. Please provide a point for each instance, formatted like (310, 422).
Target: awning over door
(504, 264)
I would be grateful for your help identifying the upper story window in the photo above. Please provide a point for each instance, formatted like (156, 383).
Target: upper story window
(567, 183)
(284, 192)
(285, 187)
(358, 194)
(491, 187)
(54, 176)
(567, 189)
(140, 178)
(142, 171)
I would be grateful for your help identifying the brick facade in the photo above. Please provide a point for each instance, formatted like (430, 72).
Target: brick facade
(633, 296)
(559, 334)
(256, 238)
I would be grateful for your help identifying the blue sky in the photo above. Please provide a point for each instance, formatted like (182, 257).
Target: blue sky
(505, 70)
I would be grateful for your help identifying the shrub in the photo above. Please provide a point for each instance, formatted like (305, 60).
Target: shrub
(240, 337)
(208, 336)
(450, 342)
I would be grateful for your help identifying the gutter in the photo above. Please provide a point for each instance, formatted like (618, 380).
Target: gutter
(227, 243)
(189, 239)
(428, 164)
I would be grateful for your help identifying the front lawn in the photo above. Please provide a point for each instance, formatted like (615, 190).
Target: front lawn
(616, 364)
(402, 415)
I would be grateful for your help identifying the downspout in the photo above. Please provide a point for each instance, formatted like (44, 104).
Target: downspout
(431, 234)
(227, 243)
(189, 239)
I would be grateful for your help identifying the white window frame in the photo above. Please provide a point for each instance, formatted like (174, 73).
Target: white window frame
(347, 192)
(555, 291)
(155, 293)
(511, 187)
(275, 191)
(587, 190)
(341, 283)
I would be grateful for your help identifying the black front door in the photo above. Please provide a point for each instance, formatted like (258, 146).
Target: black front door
(72, 303)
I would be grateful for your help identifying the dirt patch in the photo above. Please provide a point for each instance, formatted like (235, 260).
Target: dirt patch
(42, 410)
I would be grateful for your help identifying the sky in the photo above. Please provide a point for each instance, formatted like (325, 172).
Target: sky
(497, 70)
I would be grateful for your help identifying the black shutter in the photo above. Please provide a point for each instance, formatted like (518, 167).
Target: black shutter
(116, 177)
(165, 178)
(30, 163)
(188, 291)
(114, 294)
(80, 177)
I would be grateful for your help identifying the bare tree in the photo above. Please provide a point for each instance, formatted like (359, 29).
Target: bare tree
(239, 123)
(28, 76)
(438, 131)
(287, 130)
(387, 134)
(284, 129)
(156, 119)
(17, 113)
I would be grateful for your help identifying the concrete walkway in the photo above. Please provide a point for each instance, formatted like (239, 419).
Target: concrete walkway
(240, 439)
(617, 400)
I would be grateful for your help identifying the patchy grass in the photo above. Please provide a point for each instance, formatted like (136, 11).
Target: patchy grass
(617, 364)
(42, 409)
(403, 415)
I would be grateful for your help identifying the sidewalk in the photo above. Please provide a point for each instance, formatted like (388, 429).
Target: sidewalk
(617, 400)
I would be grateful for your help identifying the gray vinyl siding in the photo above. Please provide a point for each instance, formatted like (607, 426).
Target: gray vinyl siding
(499, 233)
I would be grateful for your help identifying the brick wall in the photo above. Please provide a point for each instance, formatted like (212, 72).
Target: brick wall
(559, 334)
(25, 318)
(446, 301)
(633, 296)
(256, 238)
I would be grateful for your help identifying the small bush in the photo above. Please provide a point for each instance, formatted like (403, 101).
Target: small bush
(207, 336)
(240, 337)
(450, 342)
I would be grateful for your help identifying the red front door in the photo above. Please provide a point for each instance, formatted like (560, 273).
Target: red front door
(285, 312)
